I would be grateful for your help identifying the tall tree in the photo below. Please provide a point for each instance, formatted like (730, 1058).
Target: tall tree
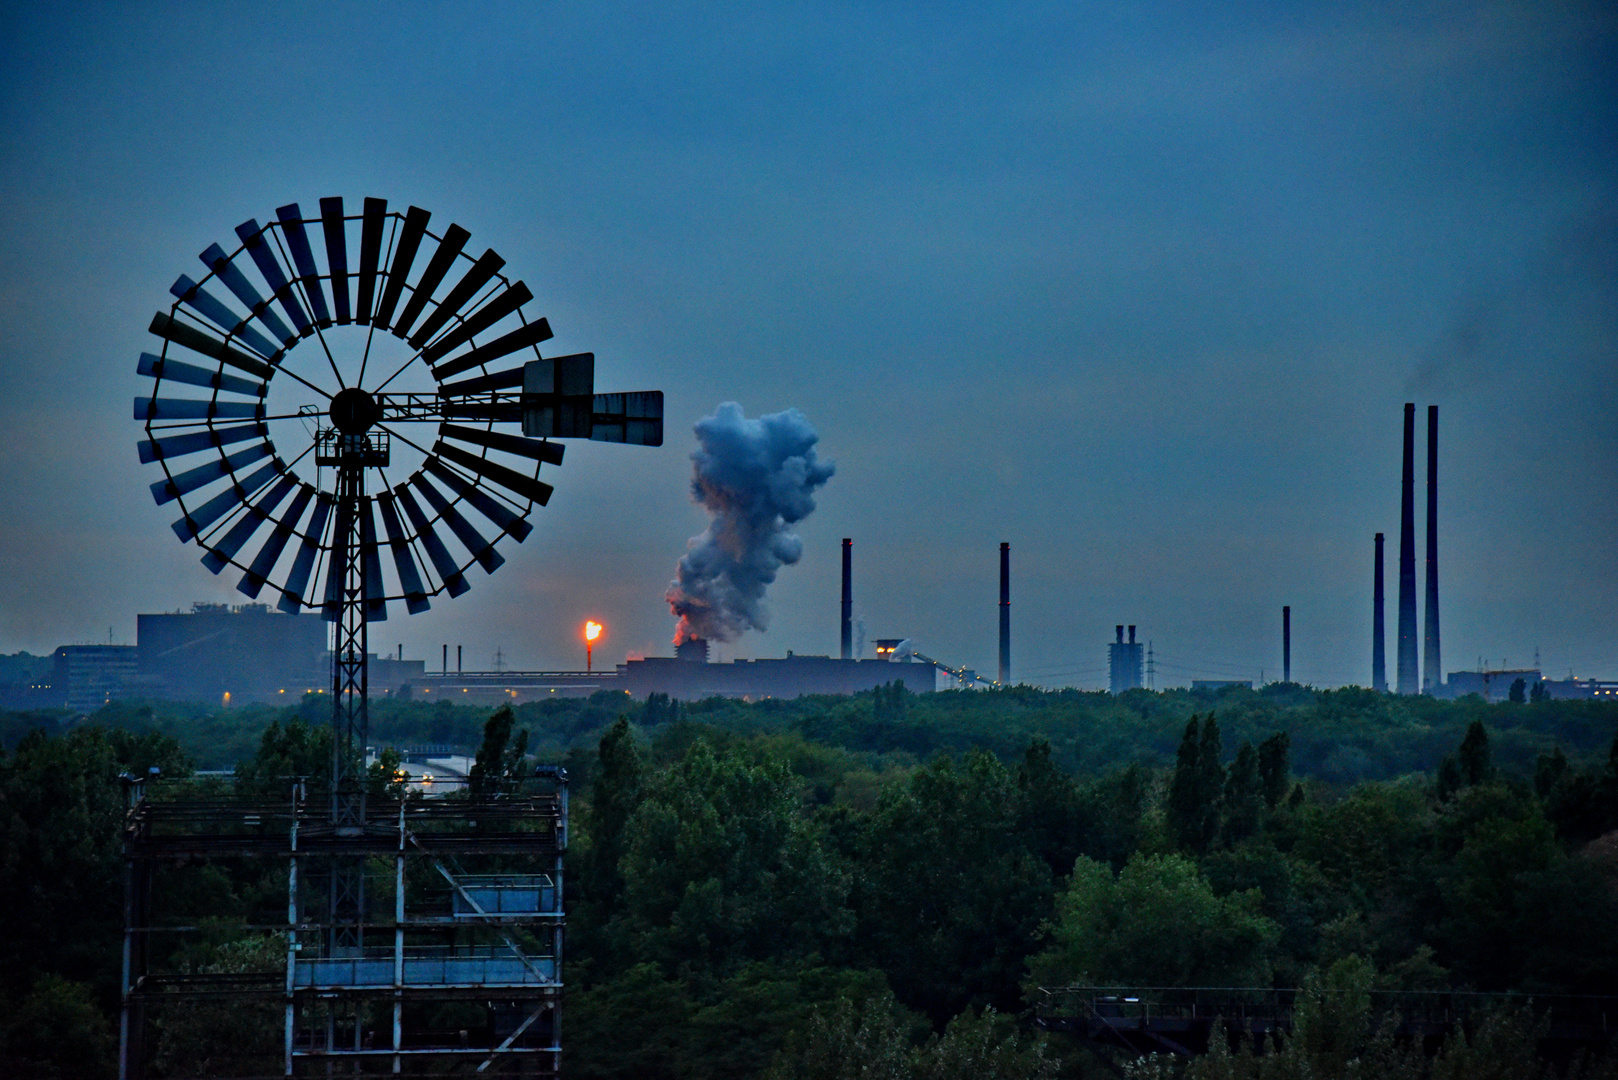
(950, 898)
(614, 795)
(1274, 767)
(1243, 797)
(499, 760)
(1473, 756)
(1156, 923)
(720, 867)
(1197, 788)
(1052, 818)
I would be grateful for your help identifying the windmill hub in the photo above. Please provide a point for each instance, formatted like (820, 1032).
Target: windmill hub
(354, 411)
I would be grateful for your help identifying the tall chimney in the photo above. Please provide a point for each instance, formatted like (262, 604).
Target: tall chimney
(1132, 635)
(1408, 681)
(1286, 644)
(1379, 654)
(1120, 629)
(444, 667)
(848, 599)
(1005, 614)
(457, 659)
(1431, 666)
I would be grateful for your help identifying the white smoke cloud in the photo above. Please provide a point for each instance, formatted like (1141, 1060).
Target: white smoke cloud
(757, 477)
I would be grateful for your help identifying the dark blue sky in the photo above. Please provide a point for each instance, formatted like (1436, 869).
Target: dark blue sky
(1138, 291)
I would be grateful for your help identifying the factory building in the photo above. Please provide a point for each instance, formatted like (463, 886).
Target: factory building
(1124, 662)
(246, 651)
(86, 677)
(214, 653)
(785, 677)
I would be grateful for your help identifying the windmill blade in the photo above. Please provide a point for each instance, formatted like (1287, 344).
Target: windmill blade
(197, 298)
(404, 561)
(505, 345)
(157, 367)
(539, 449)
(219, 555)
(332, 609)
(628, 418)
(172, 487)
(470, 538)
(216, 260)
(269, 267)
(499, 380)
(191, 442)
(527, 486)
(376, 604)
(331, 223)
(258, 573)
(449, 249)
(370, 254)
(200, 341)
(510, 523)
(448, 572)
(303, 259)
(189, 409)
(488, 265)
(292, 593)
(415, 226)
(480, 320)
(215, 508)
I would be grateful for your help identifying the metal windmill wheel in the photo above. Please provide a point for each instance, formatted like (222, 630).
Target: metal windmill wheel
(418, 363)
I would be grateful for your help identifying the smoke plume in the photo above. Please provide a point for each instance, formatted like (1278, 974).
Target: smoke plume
(757, 478)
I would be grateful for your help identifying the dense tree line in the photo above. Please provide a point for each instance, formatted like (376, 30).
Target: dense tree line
(780, 887)
(1337, 737)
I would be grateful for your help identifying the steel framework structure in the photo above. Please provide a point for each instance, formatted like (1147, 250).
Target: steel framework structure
(465, 919)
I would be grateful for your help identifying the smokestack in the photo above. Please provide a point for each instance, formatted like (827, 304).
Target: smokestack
(848, 599)
(444, 666)
(1132, 635)
(1379, 656)
(1408, 681)
(457, 659)
(1120, 629)
(1431, 668)
(1005, 614)
(1286, 644)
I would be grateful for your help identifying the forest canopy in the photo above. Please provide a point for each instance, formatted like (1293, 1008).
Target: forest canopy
(757, 885)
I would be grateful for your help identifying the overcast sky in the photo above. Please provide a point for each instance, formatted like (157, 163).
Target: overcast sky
(1141, 293)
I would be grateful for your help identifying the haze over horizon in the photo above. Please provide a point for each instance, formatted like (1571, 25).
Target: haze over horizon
(1139, 291)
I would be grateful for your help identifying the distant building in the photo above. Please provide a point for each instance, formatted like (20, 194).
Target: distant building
(787, 677)
(1599, 689)
(1489, 685)
(1124, 662)
(1496, 685)
(86, 677)
(1214, 686)
(248, 652)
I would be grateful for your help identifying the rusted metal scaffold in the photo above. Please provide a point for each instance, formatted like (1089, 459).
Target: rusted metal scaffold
(442, 955)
